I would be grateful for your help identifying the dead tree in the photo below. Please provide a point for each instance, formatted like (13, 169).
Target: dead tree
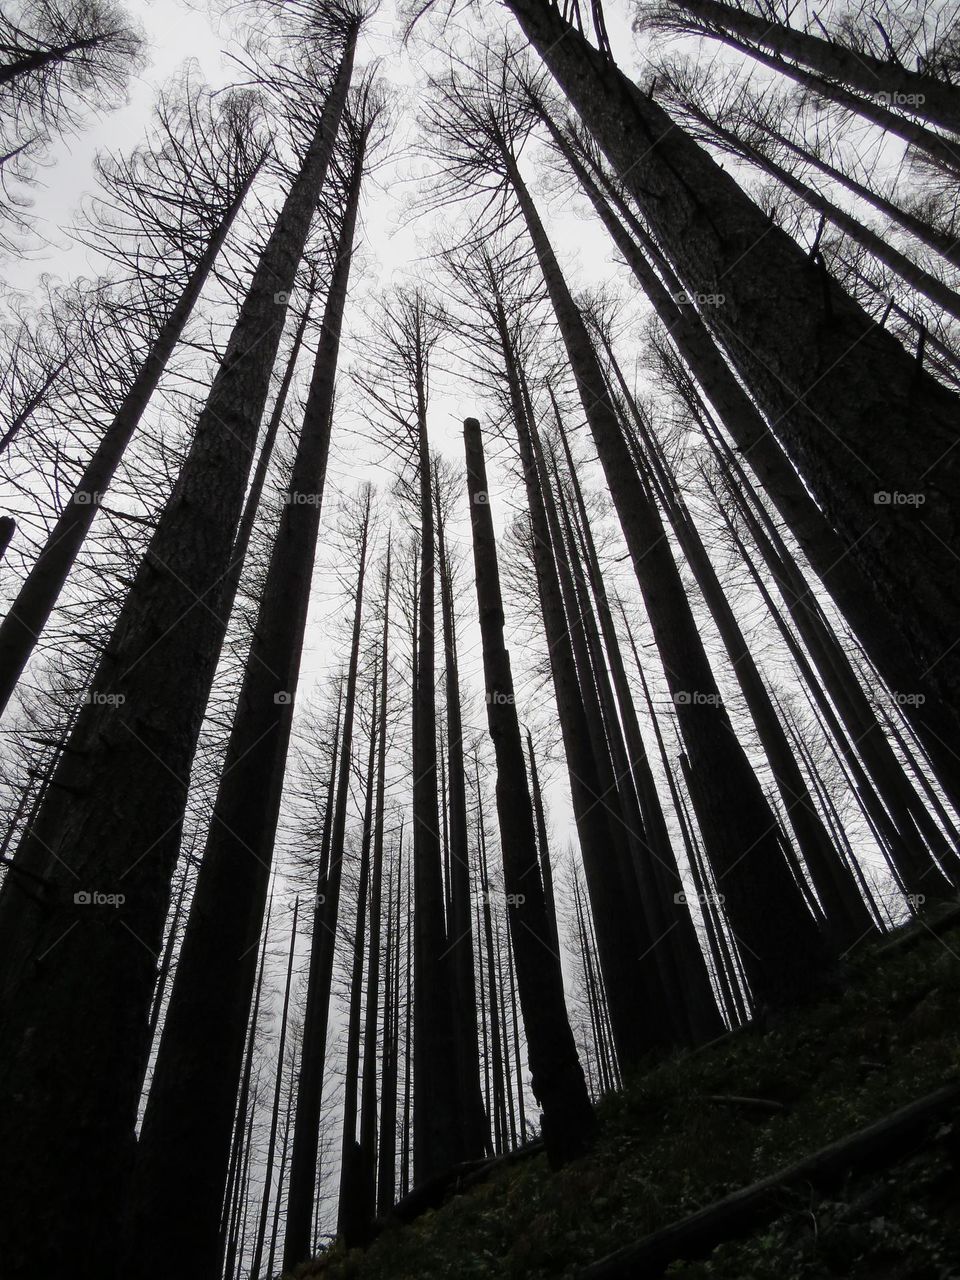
(558, 1083)
(112, 815)
(864, 385)
(175, 200)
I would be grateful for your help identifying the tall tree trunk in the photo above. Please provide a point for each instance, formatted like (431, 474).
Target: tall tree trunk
(31, 609)
(510, 1139)
(251, 506)
(853, 593)
(227, 1224)
(546, 869)
(910, 815)
(473, 1120)
(80, 973)
(917, 277)
(680, 968)
(306, 1132)
(202, 1037)
(786, 951)
(367, 1174)
(499, 1108)
(387, 1145)
(664, 997)
(845, 911)
(807, 351)
(557, 1077)
(881, 783)
(436, 1101)
(937, 149)
(919, 227)
(679, 935)
(277, 1094)
(350, 1219)
(405, 1161)
(287, 1130)
(596, 829)
(887, 80)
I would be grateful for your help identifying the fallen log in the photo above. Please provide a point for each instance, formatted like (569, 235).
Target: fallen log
(883, 1142)
(749, 1104)
(432, 1192)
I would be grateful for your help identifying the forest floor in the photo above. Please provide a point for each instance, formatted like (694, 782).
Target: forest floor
(891, 1035)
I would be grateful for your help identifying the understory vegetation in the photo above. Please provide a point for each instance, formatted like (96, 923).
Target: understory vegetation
(669, 1146)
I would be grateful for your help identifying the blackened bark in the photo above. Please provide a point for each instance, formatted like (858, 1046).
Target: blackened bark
(546, 869)
(808, 352)
(277, 1095)
(367, 1174)
(306, 1132)
(473, 1121)
(922, 94)
(202, 1037)
(352, 1224)
(786, 950)
(557, 1077)
(854, 593)
(30, 611)
(595, 827)
(83, 974)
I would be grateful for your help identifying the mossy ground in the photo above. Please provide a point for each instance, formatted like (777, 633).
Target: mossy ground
(891, 1035)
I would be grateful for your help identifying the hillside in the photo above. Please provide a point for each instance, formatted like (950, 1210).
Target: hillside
(685, 1134)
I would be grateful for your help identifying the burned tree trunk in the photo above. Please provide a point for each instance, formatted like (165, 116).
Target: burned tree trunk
(558, 1084)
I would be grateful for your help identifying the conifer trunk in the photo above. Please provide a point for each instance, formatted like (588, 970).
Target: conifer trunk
(924, 95)
(306, 1132)
(808, 352)
(30, 611)
(80, 973)
(786, 951)
(202, 1036)
(557, 1077)
(854, 593)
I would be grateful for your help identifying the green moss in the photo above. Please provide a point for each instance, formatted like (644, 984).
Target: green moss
(890, 1035)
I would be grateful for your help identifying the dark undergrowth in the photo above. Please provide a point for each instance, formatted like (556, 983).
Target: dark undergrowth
(668, 1148)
